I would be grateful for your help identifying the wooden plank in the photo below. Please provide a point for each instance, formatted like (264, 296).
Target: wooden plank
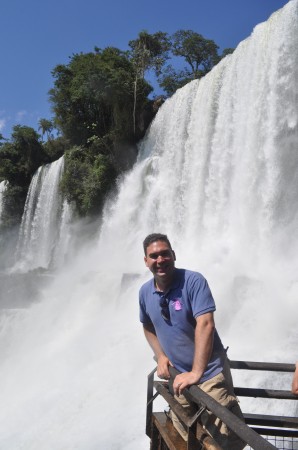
(165, 427)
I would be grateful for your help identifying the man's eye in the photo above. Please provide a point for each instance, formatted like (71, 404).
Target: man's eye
(165, 254)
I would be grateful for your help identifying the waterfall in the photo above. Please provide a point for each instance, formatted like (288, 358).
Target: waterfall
(3, 185)
(217, 172)
(43, 229)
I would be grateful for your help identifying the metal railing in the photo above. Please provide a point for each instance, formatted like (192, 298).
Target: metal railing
(250, 432)
(281, 430)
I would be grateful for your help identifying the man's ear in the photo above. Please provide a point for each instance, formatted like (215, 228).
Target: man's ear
(145, 259)
(174, 255)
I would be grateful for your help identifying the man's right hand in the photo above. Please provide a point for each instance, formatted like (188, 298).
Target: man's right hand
(163, 364)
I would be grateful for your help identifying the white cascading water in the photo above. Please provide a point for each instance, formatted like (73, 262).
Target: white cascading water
(43, 234)
(3, 185)
(218, 172)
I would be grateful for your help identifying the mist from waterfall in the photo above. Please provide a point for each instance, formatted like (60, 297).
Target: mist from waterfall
(3, 185)
(217, 172)
(43, 236)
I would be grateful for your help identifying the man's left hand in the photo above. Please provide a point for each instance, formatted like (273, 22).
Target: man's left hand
(183, 380)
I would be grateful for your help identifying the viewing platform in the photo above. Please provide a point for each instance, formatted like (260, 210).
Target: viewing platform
(260, 432)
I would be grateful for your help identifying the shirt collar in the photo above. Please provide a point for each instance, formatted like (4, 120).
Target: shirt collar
(175, 284)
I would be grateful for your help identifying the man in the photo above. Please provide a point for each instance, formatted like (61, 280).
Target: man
(176, 309)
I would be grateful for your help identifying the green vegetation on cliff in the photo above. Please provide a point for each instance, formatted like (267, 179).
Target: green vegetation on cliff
(99, 112)
(101, 106)
(93, 96)
(19, 159)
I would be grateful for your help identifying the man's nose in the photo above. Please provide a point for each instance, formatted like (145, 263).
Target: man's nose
(160, 258)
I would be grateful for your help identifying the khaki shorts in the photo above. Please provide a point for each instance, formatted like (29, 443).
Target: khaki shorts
(221, 389)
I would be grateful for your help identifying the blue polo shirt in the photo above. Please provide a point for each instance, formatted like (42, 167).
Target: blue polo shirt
(188, 298)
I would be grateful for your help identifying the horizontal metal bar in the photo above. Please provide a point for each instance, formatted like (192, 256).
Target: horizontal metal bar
(251, 365)
(276, 432)
(264, 393)
(271, 421)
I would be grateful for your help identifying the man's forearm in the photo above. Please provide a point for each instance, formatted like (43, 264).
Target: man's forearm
(204, 334)
(151, 337)
(163, 361)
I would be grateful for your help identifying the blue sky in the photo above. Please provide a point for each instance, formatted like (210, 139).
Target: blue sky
(36, 35)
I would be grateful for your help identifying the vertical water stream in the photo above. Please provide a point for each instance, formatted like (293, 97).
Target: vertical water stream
(42, 234)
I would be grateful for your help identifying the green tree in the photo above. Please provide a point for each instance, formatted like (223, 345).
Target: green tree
(148, 51)
(200, 54)
(2, 138)
(46, 127)
(93, 95)
(55, 148)
(93, 99)
(21, 156)
(171, 80)
(19, 159)
(226, 51)
(87, 180)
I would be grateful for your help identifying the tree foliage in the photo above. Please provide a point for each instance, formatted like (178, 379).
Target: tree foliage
(19, 159)
(46, 127)
(93, 96)
(87, 179)
(148, 51)
(55, 148)
(200, 55)
(22, 156)
(93, 102)
(14, 198)
(171, 80)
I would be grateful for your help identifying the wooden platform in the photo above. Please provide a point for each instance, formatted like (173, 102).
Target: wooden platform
(163, 430)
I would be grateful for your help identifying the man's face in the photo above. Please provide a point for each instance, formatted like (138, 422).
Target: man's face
(160, 259)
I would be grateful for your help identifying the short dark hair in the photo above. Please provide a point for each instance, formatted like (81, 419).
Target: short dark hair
(153, 238)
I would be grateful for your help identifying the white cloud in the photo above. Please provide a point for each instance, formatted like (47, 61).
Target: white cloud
(20, 115)
(2, 124)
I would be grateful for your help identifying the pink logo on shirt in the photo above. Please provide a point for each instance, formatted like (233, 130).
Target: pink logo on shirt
(177, 305)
